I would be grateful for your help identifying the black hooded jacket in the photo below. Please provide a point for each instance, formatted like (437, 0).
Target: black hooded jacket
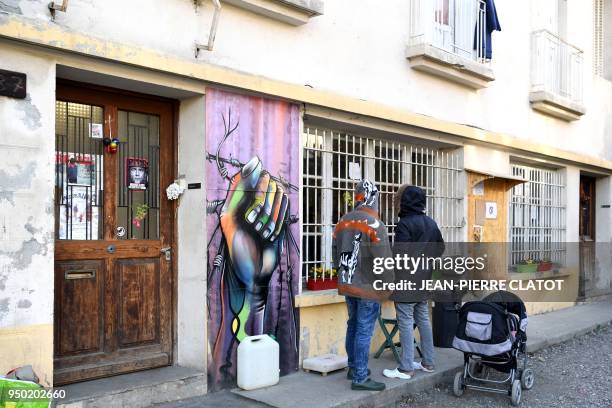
(414, 225)
(424, 238)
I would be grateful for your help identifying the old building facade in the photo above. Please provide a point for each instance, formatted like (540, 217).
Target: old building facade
(106, 104)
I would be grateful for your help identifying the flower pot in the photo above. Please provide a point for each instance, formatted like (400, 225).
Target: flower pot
(544, 266)
(322, 284)
(527, 268)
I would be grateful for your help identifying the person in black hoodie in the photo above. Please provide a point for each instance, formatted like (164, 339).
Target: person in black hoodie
(415, 227)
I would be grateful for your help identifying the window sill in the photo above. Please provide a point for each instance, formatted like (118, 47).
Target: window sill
(310, 298)
(444, 64)
(556, 105)
(293, 12)
(552, 274)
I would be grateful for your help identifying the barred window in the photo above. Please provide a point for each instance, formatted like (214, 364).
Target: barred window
(332, 161)
(537, 215)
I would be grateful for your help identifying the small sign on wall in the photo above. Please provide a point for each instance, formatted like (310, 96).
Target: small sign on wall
(12, 84)
(354, 171)
(96, 131)
(491, 210)
(478, 189)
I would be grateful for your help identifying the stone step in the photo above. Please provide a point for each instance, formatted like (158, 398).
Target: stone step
(135, 390)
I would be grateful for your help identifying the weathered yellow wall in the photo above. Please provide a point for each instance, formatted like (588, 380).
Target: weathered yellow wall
(547, 301)
(323, 329)
(28, 345)
(323, 325)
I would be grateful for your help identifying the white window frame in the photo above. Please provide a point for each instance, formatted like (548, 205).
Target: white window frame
(437, 170)
(537, 216)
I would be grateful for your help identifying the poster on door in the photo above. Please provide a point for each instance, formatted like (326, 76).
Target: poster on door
(79, 170)
(78, 211)
(137, 173)
(78, 214)
(252, 169)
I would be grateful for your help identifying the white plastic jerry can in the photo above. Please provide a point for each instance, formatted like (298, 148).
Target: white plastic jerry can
(258, 364)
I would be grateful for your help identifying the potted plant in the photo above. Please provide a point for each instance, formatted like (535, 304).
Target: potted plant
(545, 265)
(527, 266)
(320, 278)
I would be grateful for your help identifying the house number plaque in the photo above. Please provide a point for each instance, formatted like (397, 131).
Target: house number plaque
(12, 84)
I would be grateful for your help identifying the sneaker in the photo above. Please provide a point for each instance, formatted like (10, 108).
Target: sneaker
(427, 367)
(396, 373)
(368, 385)
(349, 373)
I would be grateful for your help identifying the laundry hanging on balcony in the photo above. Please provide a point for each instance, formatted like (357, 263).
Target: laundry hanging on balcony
(487, 23)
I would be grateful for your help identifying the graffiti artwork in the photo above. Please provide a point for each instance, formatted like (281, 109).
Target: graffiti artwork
(253, 251)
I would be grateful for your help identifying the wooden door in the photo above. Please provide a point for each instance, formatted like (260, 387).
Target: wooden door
(587, 208)
(114, 233)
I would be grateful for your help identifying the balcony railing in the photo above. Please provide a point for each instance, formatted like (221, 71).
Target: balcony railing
(456, 26)
(556, 66)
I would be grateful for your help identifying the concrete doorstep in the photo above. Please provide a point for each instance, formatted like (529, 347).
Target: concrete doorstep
(135, 390)
(313, 390)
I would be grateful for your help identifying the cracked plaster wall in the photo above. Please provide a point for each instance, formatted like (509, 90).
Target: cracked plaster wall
(26, 193)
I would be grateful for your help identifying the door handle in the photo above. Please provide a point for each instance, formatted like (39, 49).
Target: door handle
(82, 274)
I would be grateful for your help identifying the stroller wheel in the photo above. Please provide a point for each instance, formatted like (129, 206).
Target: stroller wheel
(515, 397)
(458, 386)
(527, 379)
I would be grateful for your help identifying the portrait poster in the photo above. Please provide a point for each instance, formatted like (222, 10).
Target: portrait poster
(137, 173)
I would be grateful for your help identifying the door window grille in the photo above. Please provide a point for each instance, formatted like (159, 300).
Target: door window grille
(537, 215)
(332, 159)
(138, 173)
(79, 168)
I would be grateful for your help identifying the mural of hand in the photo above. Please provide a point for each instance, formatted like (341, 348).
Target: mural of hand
(252, 218)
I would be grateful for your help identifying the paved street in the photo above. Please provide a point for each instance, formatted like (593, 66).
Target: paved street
(222, 399)
(572, 374)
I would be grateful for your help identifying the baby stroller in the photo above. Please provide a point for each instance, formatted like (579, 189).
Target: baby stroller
(492, 335)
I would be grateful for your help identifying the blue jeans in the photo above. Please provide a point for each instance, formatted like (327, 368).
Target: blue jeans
(362, 315)
(407, 314)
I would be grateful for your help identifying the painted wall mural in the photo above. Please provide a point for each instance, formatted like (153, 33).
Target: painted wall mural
(253, 245)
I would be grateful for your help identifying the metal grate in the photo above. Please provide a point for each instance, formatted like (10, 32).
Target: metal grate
(537, 215)
(78, 171)
(457, 26)
(333, 159)
(139, 144)
(556, 66)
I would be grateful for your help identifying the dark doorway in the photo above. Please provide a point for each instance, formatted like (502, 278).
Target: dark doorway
(587, 236)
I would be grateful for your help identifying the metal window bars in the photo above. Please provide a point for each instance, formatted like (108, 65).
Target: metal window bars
(537, 215)
(456, 26)
(79, 164)
(331, 161)
(557, 67)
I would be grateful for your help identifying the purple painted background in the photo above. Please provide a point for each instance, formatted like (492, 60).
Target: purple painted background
(268, 129)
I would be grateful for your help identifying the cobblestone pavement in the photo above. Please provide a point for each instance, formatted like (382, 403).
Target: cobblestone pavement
(573, 374)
